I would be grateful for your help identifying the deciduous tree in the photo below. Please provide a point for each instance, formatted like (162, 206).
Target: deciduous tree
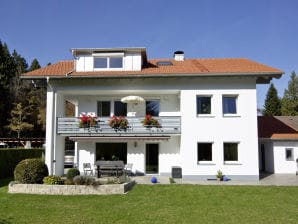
(18, 121)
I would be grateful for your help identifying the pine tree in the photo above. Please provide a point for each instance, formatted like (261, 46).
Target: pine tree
(18, 87)
(7, 70)
(34, 65)
(289, 102)
(272, 103)
(37, 100)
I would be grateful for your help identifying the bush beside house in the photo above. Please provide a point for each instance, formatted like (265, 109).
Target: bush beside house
(31, 171)
(9, 158)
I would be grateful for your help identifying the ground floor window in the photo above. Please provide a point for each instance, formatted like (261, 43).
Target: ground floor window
(111, 151)
(204, 152)
(289, 154)
(230, 151)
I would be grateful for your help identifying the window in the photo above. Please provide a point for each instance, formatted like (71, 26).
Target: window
(108, 62)
(116, 62)
(289, 154)
(120, 109)
(204, 152)
(203, 104)
(230, 151)
(103, 108)
(229, 104)
(152, 107)
(100, 62)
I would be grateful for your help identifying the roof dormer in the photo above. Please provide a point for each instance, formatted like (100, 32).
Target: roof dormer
(109, 59)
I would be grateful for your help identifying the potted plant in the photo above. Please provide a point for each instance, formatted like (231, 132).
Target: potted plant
(87, 121)
(219, 175)
(150, 121)
(118, 122)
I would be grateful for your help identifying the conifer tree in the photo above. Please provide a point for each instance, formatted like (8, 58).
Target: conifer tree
(289, 102)
(7, 70)
(272, 103)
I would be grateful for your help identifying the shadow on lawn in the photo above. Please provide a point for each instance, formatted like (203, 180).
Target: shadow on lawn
(4, 221)
(5, 182)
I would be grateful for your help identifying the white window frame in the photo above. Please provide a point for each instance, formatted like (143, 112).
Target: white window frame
(231, 162)
(236, 96)
(205, 162)
(211, 106)
(108, 56)
(292, 154)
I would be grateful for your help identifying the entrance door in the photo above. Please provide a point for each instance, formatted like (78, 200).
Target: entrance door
(151, 158)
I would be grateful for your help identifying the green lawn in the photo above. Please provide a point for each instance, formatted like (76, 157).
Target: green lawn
(157, 204)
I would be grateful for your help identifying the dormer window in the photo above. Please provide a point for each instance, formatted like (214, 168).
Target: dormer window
(108, 61)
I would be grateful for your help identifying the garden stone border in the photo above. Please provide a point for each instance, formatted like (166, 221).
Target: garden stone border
(70, 189)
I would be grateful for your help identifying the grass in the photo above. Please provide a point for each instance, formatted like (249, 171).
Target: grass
(156, 204)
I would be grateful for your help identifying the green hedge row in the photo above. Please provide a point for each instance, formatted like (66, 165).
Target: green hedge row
(9, 158)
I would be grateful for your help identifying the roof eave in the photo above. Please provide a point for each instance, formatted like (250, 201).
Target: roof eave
(260, 77)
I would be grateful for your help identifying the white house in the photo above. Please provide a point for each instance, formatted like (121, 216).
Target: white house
(278, 144)
(206, 108)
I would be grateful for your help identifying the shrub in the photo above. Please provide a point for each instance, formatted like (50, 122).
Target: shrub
(53, 180)
(9, 159)
(71, 173)
(68, 182)
(172, 181)
(84, 180)
(31, 171)
(117, 180)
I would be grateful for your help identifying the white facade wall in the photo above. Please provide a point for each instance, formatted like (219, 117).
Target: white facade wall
(54, 143)
(177, 96)
(281, 165)
(86, 154)
(217, 129)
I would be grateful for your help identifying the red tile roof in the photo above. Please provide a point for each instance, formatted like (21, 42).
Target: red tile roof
(278, 127)
(223, 66)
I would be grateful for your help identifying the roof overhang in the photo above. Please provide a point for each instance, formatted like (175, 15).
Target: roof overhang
(261, 78)
(120, 138)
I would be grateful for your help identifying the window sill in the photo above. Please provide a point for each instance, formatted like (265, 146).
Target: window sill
(108, 69)
(232, 163)
(231, 115)
(206, 163)
(205, 115)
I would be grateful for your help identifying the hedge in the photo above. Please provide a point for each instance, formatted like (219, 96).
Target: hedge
(9, 158)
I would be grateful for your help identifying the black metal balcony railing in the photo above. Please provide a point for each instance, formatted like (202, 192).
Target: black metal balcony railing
(69, 126)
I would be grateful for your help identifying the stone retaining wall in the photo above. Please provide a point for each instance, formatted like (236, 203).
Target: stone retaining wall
(70, 189)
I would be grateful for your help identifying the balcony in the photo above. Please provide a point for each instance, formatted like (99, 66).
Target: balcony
(69, 126)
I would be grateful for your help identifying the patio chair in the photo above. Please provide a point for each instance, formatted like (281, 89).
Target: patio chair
(128, 169)
(87, 169)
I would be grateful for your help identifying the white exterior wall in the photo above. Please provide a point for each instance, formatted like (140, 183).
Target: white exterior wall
(169, 155)
(218, 129)
(54, 157)
(136, 156)
(281, 165)
(180, 151)
(86, 154)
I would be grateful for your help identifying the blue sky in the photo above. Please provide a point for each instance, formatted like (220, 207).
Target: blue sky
(265, 31)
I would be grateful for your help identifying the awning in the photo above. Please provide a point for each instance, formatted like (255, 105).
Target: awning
(120, 138)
